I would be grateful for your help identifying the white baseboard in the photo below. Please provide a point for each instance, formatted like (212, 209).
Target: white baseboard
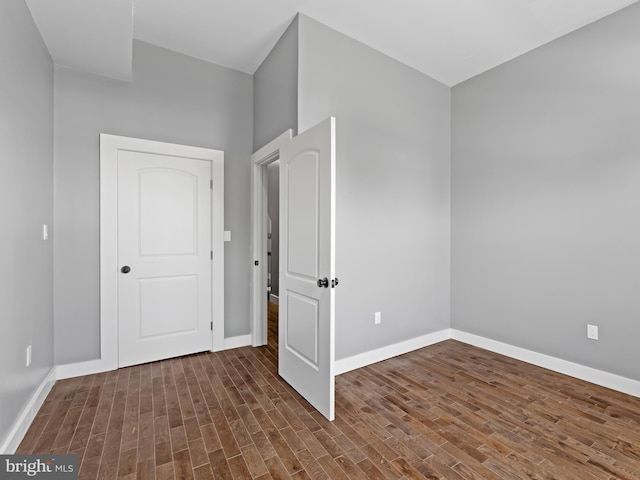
(592, 375)
(71, 370)
(367, 358)
(236, 342)
(22, 424)
(90, 367)
(588, 374)
(274, 298)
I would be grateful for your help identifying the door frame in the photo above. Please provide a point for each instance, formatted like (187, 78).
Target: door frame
(109, 147)
(258, 308)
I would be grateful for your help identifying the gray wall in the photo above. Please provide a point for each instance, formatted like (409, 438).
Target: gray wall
(173, 98)
(26, 197)
(393, 151)
(275, 90)
(546, 198)
(275, 110)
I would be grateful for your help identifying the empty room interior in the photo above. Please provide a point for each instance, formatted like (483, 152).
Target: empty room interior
(482, 215)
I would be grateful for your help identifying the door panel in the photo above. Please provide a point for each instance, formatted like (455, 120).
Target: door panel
(303, 214)
(168, 223)
(306, 320)
(302, 334)
(164, 236)
(168, 305)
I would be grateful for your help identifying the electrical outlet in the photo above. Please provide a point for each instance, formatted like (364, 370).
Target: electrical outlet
(592, 332)
(377, 318)
(28, 356)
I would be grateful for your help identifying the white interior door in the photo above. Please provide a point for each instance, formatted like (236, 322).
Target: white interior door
(164, 256)
(307, 224)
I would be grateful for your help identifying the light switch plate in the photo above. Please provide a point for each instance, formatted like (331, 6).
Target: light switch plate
(227, 235)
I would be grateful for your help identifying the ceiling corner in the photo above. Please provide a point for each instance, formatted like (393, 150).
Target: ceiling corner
(95, 36)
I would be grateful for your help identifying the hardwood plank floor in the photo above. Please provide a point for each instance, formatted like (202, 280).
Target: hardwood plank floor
(449, 411)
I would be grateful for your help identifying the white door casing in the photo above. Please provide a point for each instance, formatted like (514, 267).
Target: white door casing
(128, 165)
(307, 245)
(258, 310)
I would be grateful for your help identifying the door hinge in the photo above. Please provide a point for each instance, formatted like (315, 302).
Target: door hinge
(211, 184)
(211, 254)
(212, 326)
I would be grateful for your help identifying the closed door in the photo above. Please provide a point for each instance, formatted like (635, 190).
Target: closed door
(307, 218)
(164, 256)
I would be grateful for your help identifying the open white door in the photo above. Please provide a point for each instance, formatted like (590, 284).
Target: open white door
(307, 264)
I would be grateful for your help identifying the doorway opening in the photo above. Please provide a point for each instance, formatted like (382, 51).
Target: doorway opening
(273, 253)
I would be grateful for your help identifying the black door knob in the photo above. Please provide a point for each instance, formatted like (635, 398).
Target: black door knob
(323, 282)
(125, 269)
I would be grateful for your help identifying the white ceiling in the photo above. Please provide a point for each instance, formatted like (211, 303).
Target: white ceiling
(449, 40)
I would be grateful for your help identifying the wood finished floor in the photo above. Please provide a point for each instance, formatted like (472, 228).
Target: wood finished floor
(448, 411)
